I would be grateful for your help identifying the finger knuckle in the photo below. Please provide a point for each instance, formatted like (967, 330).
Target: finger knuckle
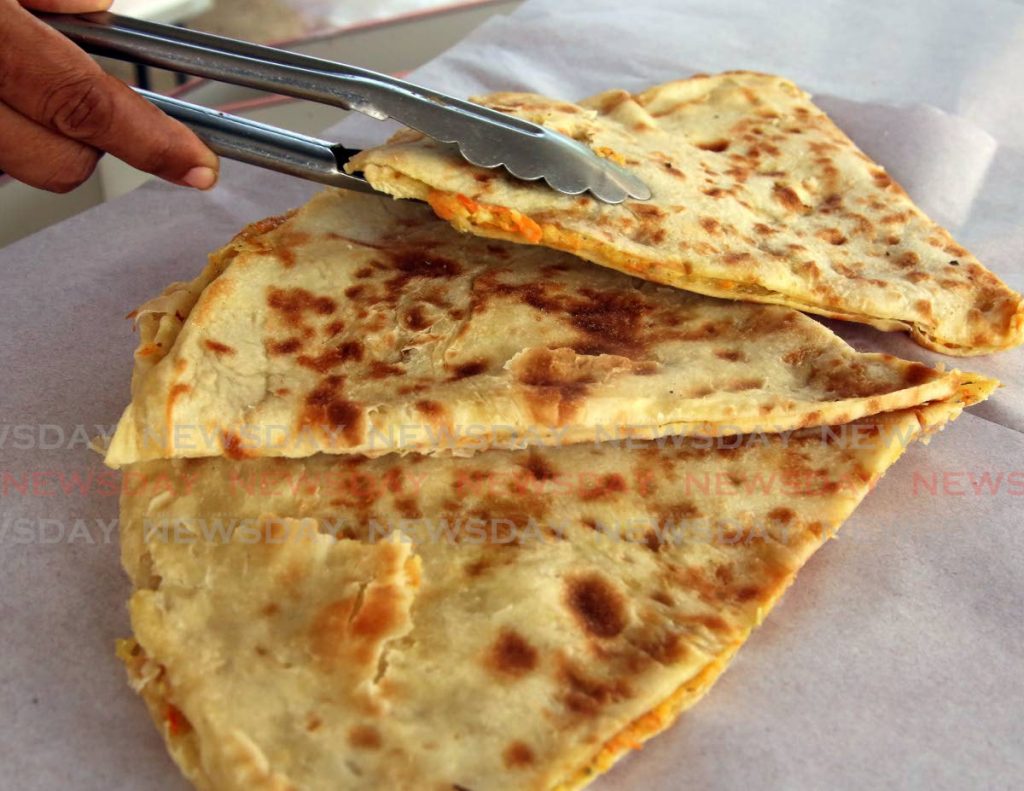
(70, 170)
(79, 108)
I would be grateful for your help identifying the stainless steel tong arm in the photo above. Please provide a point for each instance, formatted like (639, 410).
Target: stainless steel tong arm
(484, 137)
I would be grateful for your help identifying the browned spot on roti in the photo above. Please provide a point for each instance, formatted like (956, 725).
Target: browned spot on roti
(423, 263)
(365, 737)
(732, 355)
(382, 370)
(285, 244)
(734, 258)
(586, 696)
(663, 597)
(597, 605)
(332, 358)
(611, 320)
(233, 447)
(702, 332)
(649, 235)
(796, 356)
(646, 210)
(607, 485)
(477, 567)
(378, 615)
(326, 407)
(718, 146)
(517, 756)
(711, 225)
(747, 592)
(673, 170)
(739, 385)
(908, 260)
(787, 197)
(556, 381)
(416, 319)
(918, 374)
(328, 631)
(538, 466)
(694, 579)
(174, 393)
(393, 480)
(432, 410)
(679, 512)
(832, 236)
(287, 346)
(348, 417)
(293, 303)
(812, 418)
(713, 622)
(364, 272)
(665, 648)
(468, 369)
(408, 507)
(217, 347)
(512, 655)
(850, 380)
(781, 514)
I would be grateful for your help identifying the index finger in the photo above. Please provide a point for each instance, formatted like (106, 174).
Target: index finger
(48, 79)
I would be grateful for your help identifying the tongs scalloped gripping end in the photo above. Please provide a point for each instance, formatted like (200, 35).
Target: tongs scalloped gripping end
(483, 136)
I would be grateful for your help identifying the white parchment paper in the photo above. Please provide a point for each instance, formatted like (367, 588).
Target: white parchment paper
(896, 659)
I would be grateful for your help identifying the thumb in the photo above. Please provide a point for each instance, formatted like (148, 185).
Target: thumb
(67, 6)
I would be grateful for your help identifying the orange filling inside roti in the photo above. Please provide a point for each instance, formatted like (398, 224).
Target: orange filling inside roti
(448, 206)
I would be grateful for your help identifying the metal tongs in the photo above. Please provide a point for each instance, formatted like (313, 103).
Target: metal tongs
(483, 136)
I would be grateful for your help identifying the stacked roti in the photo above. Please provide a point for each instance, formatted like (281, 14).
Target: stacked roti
(757, 196)
(517, 619)
(409, 508)
(359, 325)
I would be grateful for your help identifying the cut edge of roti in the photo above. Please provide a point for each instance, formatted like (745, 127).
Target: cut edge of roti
(236, 761)
(580, 387)
(864, 251)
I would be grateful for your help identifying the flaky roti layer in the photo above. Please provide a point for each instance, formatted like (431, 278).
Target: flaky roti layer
(362, 325)
(757, 196)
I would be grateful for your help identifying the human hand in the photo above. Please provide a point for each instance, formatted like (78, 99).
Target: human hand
(59, 111)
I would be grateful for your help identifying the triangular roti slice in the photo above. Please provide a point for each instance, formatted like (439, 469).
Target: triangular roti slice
(362, 325)
(547, 610)
(757, 196)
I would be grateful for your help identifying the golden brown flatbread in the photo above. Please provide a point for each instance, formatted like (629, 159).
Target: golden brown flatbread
(362, 325)
(757, 196)
(514, 620)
